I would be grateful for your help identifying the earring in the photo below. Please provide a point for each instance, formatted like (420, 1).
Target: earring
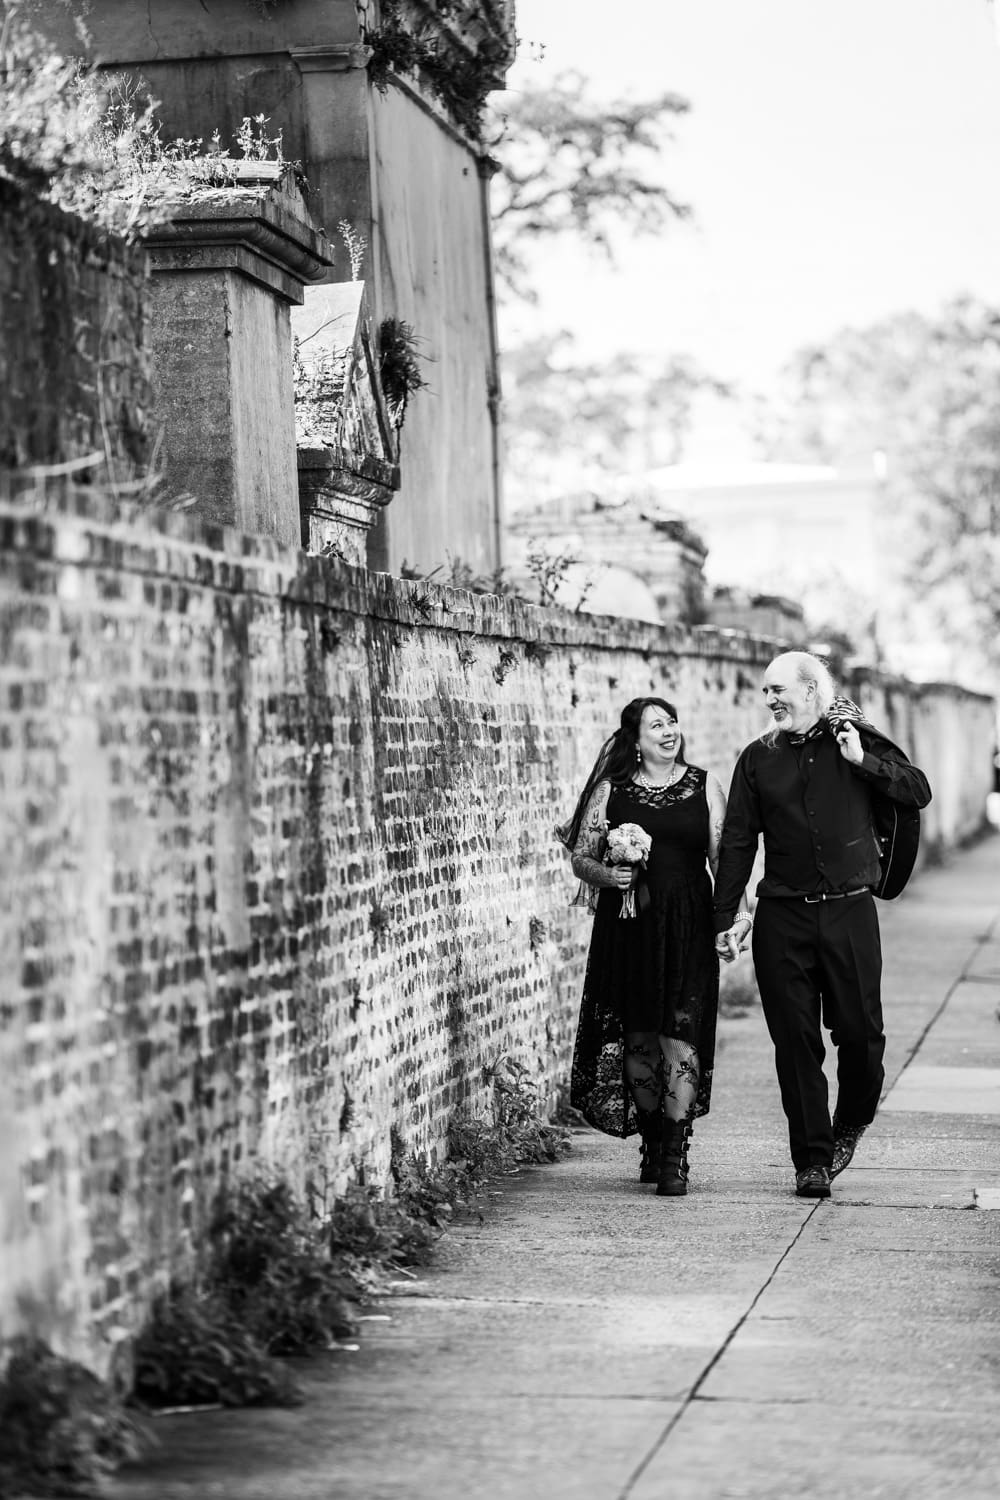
(638, 756)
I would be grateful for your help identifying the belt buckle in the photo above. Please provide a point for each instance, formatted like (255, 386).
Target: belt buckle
(814, 900)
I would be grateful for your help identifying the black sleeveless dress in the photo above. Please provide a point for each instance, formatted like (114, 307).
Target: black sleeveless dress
(658, 971)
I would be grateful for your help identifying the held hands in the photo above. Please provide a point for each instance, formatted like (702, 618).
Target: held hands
(850, 744)
(731, 943)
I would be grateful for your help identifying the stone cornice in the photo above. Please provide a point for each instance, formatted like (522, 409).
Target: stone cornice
(342, 57)
(366, 476)
(261, 234)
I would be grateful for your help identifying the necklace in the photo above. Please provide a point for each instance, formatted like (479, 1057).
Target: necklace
(659, 786)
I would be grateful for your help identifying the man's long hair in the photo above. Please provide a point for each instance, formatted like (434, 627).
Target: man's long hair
(807, 668)
(617, 759)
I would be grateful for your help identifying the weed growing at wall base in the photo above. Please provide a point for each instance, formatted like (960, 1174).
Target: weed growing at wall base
(194, 1351)
(288, 1278)
(61, 1429)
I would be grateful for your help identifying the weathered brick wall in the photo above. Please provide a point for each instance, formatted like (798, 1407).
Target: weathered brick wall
(278, 877)
(73, 371)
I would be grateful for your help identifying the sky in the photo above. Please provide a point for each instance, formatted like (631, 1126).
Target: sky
(842, 158)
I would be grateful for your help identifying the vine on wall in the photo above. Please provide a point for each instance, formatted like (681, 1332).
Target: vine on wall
(437, 45)
(459, 49)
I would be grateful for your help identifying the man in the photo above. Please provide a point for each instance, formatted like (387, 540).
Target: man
(811, 786)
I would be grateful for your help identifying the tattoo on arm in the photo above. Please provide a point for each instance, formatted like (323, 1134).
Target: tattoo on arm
(586, 861)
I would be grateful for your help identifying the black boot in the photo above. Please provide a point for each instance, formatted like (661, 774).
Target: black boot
(651, 1131)
(673, 1179)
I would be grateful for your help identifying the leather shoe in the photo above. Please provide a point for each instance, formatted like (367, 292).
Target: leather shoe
(845, 1143)
(812, 1182)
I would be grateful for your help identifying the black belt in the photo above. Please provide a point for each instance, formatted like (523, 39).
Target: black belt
(862, 890)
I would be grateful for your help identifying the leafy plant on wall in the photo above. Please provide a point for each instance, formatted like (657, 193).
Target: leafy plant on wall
(399, 366)
(460, 64)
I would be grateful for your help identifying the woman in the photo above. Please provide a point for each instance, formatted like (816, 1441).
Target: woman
(645, 1043)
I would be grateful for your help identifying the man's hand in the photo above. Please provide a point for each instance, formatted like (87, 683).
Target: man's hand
(850, 744)
(731, 943)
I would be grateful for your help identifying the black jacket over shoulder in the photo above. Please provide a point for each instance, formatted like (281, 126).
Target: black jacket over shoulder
(817, 814)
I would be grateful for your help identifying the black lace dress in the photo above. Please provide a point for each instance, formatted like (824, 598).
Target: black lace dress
(657, 972)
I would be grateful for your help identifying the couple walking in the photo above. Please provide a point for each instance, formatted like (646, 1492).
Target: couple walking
(821, 786)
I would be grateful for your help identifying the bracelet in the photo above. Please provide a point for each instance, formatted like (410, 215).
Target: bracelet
(742, 916)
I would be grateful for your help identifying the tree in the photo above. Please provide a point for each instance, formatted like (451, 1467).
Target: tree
(925, 391)
(571, 166)
(573, 169)
(571, 422)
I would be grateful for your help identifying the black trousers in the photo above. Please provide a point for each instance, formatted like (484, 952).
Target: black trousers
(821, 964)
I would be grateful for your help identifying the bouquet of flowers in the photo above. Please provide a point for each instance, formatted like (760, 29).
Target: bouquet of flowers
(628, 844)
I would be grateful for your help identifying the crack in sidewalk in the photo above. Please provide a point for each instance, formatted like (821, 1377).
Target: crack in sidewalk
(694, 1393)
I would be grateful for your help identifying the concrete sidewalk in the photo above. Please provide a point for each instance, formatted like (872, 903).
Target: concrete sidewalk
(592, 1341)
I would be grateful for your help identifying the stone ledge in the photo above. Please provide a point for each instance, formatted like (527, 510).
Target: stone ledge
(373, 475)
(264, 234)
(306, 578)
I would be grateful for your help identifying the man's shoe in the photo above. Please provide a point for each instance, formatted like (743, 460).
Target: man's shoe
(812, 1182)
(845, 1143)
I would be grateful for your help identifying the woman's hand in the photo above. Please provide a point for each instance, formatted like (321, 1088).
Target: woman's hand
(731, 943)
(623, 877)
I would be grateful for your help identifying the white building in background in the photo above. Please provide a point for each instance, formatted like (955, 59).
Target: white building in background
(772, 526)
(743, 544)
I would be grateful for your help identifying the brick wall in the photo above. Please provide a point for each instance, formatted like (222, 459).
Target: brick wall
(278, 877)
(73, 372)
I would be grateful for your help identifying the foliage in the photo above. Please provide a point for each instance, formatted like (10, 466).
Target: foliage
(481, 1150)
(574, 167)
(270, 1286)
(925, 392)
(281, 1277)
(456, 573)
(549, 574)
(61, 1429)
(399, 366)
(460, 71)
(571, 423)
(285, 1278)
(577, 170)
(195, 1351)
(372, 1236)
(355, 243)
(518, 1126)
(272, 1264)
(318, 387)
(550, 571)
(92, 144)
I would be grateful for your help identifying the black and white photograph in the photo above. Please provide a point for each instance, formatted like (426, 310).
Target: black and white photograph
(500, 749)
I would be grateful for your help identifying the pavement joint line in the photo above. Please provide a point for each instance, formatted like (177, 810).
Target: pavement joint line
(497, 1302)
(842, 1406)
(695, 1390)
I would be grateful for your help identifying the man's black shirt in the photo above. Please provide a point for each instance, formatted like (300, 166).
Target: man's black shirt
(814, 810)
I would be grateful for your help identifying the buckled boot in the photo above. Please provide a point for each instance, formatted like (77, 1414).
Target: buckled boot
(673, 1179)
(651, 1131)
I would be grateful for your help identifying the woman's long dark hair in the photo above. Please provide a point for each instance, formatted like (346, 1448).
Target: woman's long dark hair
(616, 761)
